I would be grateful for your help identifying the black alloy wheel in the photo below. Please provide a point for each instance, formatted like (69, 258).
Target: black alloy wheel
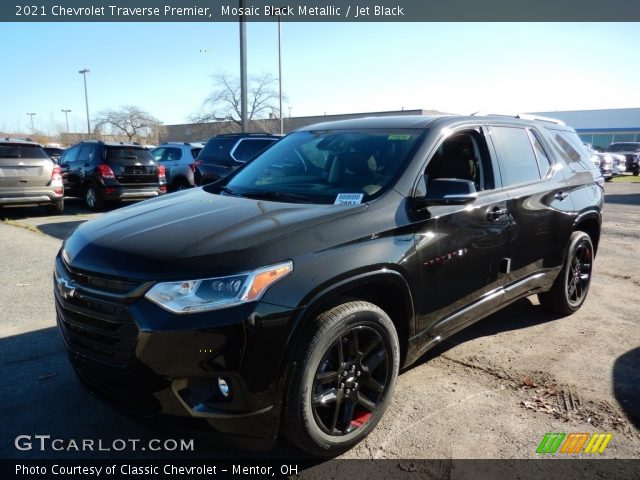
(350, 381)
(342, 378)
(570, 288)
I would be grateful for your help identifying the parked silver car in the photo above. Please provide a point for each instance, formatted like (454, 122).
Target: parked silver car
(178, 159)
(610, 164)
(29, 176)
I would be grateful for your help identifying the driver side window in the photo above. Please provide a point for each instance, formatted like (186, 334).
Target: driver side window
(463, 155)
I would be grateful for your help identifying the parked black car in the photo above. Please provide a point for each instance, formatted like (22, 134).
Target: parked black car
(54, 153)
(222, 154)
(287, 296)
(631, 150)
(103, 172)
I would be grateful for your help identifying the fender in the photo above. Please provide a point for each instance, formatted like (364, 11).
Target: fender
(334, 288)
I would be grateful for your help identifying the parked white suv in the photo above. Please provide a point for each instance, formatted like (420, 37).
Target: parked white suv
(178, 159)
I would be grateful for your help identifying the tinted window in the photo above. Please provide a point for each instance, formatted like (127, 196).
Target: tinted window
(543, 160)
(86, 153)
(363, 163)
(571, 149)
(21, 151)
(195, 152)
(216, 150)
(517, 159)
(128, 153)
(173, 154)
(70, 155)
(157, 153)
(249, 148)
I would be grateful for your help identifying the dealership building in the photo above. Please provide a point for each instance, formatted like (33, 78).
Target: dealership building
(597, 127)
(602, 127)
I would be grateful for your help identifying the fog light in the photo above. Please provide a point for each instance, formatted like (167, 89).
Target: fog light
(223, 386)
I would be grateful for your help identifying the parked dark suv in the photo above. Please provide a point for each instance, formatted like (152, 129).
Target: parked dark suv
(222, 154)
(631, 150)
(287, 296)
(103, 172)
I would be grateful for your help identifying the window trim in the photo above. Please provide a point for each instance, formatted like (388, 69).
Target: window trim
(231, 153)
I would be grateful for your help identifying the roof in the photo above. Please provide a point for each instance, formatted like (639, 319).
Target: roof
(427, 121)
(18, 140)
(403, 121)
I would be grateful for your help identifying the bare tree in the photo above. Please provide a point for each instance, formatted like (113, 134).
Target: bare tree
(129, 120)
(224, 103)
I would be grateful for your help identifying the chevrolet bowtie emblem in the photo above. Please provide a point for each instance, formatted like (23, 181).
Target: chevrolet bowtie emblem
(66, 288)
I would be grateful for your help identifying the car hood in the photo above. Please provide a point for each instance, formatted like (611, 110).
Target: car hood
(188, 233)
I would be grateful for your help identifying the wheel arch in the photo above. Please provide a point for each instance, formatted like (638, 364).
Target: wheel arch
(590, 222)
(388, 289)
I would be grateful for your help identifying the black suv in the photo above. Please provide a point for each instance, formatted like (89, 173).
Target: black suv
(224, 153)
(103, 172)
(631, 150)
(312, 274)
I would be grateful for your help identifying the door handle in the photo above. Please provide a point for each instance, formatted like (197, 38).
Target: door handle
(560, 195)
(496, 212)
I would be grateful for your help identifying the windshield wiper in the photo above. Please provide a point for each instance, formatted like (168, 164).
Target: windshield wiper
(269, 195)
(228, 191)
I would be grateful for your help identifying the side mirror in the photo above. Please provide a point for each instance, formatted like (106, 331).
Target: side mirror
(447, 191)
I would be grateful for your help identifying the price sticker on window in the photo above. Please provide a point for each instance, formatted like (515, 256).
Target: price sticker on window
(349, 198)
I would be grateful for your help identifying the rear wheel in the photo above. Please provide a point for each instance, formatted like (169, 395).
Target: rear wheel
(56, 207)
(343, 380)
(180, 184)
(93, 199)
(570, 289)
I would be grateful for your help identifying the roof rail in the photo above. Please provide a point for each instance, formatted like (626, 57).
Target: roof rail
(523, 116)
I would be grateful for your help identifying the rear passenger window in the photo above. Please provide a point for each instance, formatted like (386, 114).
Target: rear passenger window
(516, 157)
(570, 148)
(543, 160)
(173, 154)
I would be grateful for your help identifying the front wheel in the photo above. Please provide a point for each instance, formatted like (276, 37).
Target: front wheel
(343, 378)
(570, 289)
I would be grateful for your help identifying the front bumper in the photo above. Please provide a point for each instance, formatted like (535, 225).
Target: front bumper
(151, 363)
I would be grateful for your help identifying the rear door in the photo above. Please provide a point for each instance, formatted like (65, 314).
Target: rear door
(538, 204)
(23, 166)
(70, 172)
(132, 166)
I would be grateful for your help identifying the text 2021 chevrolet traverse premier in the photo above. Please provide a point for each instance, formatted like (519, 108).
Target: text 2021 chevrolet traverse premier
(286, 297)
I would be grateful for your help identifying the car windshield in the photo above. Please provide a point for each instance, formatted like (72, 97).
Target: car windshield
(334, 166)
(21, 151)
(128, 153)
(624, 147)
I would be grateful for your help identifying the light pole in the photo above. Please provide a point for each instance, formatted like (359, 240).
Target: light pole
(66, 117)
(33, 132)
(243, 68)
(280, 76)
(84, 72)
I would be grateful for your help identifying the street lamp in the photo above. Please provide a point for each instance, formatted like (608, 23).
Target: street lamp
(280, 71)
(84, 72)
(243, 68)
(66, 117)
(33, 132)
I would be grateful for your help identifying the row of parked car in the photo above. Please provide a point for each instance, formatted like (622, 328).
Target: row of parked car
(104, 173)
(617, 159)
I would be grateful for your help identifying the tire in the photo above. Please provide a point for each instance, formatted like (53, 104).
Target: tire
(608, 179)
(355, 392)
(57, 207)
(93, 199)
(180, 184)
(570, 289)
(636, 170)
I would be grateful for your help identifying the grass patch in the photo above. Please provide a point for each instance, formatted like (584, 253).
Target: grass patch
(626, 179)
(15, 223)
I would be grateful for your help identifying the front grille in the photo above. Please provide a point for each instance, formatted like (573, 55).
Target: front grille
(99, 282)
(94, 328)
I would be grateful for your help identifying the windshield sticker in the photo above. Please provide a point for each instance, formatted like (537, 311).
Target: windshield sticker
(399, 137)
(349, 198)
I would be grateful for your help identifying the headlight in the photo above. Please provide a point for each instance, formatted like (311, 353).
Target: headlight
(189, 296)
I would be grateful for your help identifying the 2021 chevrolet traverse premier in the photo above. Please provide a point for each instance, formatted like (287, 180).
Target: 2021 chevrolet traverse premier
(286, 297)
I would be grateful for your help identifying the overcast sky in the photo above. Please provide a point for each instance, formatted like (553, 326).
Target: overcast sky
(167, 68)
